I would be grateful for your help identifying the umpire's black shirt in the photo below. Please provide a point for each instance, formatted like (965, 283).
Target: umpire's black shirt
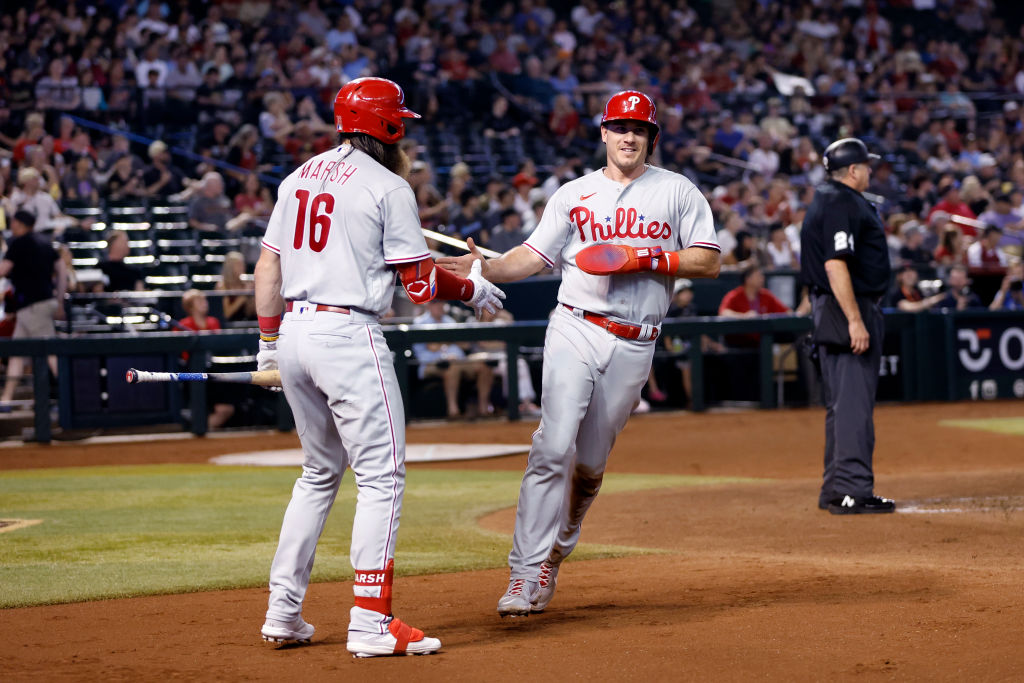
(840, 223)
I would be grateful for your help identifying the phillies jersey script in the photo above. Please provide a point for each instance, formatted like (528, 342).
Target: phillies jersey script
(658, 209)
(341, 254)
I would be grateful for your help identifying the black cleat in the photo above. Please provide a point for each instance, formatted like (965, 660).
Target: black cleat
(871, 505)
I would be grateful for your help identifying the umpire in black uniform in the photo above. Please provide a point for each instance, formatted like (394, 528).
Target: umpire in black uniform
(845, 261)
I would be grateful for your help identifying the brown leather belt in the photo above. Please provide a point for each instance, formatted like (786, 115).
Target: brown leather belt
(624, 330)
(320, 307)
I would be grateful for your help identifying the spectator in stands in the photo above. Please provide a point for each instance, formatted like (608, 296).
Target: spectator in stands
(564, 121)
(952, 247)
(493, 352)
(682, 306)
(524, 181)
(39, 158)
(729, 140)
(732, 225)
(236, 306)
(913, 250)
(124, 185)
(745, 254)
(274, 122)
(161, 178)
(242, 150)
(1010, 296)
(953, 205)
(29, 196)
(750, 300)
(57, 90)
(958, 295)
(448, 361)
(306, 141)
(918, 200)
(120, 276)
(508, 233)
(120, 146)
(469, 219)
(182, 78)
(32, 135)
(499, 123)
(254, 200)
(1003, 215)
(20, 95)
(974, 195)
(199, 320)
(39, 279)
(907, 296)
(209, 209)
(779, 250)
(776, 124)
(79, 185)
(985, 253)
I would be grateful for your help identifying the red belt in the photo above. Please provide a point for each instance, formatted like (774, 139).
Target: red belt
(319, 307)
(624, 330)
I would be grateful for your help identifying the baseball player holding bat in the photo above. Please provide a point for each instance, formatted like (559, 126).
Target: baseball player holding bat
(620, 235)
(344, 223)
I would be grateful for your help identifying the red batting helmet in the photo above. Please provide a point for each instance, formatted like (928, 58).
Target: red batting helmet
(375, 106)
(632, 105)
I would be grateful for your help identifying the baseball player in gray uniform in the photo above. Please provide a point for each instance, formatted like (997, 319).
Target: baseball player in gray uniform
(619, 235)
(344, 223)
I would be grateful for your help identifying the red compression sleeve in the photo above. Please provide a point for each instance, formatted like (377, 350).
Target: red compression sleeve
(424, 282)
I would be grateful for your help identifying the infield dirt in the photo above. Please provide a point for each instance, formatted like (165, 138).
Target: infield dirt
(754, 580)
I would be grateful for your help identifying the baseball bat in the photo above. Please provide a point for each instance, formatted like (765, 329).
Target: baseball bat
(262, 378)
(455, 242)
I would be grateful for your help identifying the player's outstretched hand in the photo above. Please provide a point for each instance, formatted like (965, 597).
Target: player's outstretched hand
(460, 265)
(486, 297)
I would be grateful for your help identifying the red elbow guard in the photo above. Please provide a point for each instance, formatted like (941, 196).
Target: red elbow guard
(419, 279)
(425, 282)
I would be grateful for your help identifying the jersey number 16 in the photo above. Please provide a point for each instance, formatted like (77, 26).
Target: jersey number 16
(320, 221)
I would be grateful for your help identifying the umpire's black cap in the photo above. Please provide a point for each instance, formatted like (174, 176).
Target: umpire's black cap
(845, 152)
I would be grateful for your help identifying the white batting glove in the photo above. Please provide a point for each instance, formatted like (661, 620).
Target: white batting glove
(486, 297)
(266, 359)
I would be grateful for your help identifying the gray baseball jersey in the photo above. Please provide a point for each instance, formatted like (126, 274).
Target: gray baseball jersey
(342, 255)
(660, 208)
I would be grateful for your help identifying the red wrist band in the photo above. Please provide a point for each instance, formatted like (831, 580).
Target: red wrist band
(667, 263)
(269, 324)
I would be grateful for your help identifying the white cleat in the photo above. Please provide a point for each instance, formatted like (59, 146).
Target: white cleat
(517, 598)
(297, 631)
(401, 639)
(547, 579)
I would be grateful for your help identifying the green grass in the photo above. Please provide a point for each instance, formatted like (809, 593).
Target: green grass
(127, 531)
(1000, 425)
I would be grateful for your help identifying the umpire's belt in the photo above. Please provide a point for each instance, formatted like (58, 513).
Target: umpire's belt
(290, 306)
(643, 332)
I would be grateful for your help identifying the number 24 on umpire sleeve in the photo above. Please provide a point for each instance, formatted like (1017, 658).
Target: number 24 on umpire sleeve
(320, 223)
(842, 240)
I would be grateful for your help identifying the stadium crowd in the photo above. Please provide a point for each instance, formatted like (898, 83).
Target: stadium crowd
(207, 105)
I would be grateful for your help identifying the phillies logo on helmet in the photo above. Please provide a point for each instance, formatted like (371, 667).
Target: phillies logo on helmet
(633, 105)
(628, 223)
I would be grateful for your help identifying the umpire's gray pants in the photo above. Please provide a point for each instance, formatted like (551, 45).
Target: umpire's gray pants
(849, 384)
